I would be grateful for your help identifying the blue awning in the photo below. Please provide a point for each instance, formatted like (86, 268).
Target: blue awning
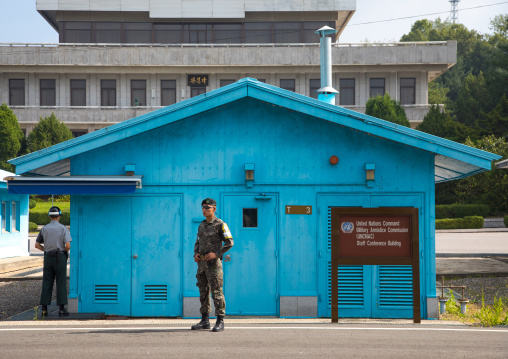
(73, 184)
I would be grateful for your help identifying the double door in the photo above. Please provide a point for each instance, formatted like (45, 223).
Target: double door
(135, 269)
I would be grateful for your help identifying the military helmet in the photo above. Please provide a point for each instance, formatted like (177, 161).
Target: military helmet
(54, 211)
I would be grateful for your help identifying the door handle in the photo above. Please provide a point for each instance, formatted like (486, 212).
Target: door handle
(135, 256)
(227, 258)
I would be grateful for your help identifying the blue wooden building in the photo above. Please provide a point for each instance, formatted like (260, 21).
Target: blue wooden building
(13, 221)
(137, 187)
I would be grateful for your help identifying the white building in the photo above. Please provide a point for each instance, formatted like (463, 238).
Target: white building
(118, 59)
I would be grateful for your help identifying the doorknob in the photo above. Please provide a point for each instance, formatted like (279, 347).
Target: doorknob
(135, 256)
(227, 258)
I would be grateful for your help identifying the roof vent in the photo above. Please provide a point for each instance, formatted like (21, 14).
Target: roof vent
(326, 93)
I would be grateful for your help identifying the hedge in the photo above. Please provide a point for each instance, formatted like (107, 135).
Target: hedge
(468, 222)
(32, 227)
(42, 218)
(461, 210)
(506, 221)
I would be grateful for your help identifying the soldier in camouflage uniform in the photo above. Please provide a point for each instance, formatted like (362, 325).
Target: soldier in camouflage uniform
(208, 251)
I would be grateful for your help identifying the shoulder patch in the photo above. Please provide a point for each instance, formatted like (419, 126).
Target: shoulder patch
(225, 230)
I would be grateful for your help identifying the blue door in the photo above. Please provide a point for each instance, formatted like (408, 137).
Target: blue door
(250, 267)
(156, 262)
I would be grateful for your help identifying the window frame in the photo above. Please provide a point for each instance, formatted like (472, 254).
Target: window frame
(108, 93)
(412, 87)
(344, 88)
(287, 87)
(371, 87)
(12, 92)
(313, 88)
(43, 89)
(256, 221)
(135, 89)
(76, 90)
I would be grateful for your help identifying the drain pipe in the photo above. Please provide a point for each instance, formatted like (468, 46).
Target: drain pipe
(326, 93)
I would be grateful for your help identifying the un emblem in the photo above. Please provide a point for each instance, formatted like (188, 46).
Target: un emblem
(347, 227)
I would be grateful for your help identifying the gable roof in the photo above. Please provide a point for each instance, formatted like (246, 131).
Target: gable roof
(452, 160)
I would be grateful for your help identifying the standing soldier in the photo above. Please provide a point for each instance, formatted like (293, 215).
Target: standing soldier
(208, 251)
(56, 240)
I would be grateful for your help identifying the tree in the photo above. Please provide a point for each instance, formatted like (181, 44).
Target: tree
(471, 101)
(439, 123)
(48, 132)
(499, 25)
(385, 108)
(496, 121)
(10, 137)
(437, 93)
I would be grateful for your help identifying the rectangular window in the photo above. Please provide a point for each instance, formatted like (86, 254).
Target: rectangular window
(407, 91)
(167, 33)
(347, 92)
(108, 32)
(287, 32)
(196, 91)
(257, 33)
(138, 33)
(227, 33)
(48, 92)
(78, 133)
(250, 217)
(168, 92)
(17, 92)
(309, 28)
(138, 92)
(77, 32)
(15, 216)
(197, 33)
(78, 92)
(314, 85)
(288, 84)
(108, 92)
(3, 214)
(226, 82)
(377, 87)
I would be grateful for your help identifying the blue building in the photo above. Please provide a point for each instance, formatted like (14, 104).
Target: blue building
(137, 187)
(13, 221)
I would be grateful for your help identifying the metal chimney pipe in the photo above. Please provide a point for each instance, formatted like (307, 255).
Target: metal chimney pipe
(326, 93)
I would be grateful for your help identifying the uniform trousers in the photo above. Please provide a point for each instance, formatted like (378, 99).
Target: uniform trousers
(210, 280)
(54, 268)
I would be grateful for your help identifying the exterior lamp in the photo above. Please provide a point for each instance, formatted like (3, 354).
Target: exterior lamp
(249, 174)
(370, 169)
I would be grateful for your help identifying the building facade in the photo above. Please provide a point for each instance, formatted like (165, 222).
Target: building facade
(120, 59)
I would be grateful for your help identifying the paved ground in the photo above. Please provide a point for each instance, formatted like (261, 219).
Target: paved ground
(459, 243)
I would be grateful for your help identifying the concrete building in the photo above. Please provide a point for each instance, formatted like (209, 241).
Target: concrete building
(119, 59)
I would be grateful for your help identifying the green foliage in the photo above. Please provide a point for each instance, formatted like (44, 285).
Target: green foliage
(32, 203)
(452, 307)
(506, 221)
(470, 222)
(496, 121)
(437, 93)
(499, 25)
(491, 316)
(48, 132)
(471, 100)
(385, 108)
(10, 137)
(439, 123)
(40, 216)
(32, 227)
(461, 210)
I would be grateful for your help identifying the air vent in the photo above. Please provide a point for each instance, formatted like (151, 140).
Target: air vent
(396, 286)
(155, 293)
(350, 283)
(106, 293)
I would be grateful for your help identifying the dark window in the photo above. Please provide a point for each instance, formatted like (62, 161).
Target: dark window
(257, 33)
(108, 92)
(77, 32)
(196, 91)
(17, 92)
(309, 28)
(347, 92)
(377, 87)
(167, 33)
(78, 133)
(48, 92)
(287, 32)
(197, 33)
(314, 85)
(227, 33)
(138, 33)
(138, 92)
(15, 216)
(250, 217)
(108, 32)
(288, 84)
(262, 80)
(407, 91)
(226, 82)
(3, 214)
(78, 92)
(168, 92)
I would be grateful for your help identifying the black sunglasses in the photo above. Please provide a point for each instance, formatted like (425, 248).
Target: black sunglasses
(207, 207)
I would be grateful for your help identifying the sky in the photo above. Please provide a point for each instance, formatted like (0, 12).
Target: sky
(21, 23)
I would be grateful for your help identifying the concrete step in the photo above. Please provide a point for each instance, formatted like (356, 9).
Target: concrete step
(18, 263)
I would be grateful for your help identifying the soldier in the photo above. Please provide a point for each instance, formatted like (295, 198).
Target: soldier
(56, 240)
(208, 251)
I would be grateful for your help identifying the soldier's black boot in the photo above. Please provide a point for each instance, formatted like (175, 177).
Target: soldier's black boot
(63, 312)
(204, 323)
(219, 326)
(44, 311)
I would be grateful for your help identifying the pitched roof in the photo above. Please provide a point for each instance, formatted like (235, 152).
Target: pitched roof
(452, 160)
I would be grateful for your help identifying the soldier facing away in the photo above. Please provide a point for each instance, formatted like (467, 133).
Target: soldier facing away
(213, 240)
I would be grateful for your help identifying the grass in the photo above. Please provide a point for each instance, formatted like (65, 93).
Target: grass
(45, 206)
(478, 314)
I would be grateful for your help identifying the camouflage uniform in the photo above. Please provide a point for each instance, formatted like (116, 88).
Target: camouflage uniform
(210, 276)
